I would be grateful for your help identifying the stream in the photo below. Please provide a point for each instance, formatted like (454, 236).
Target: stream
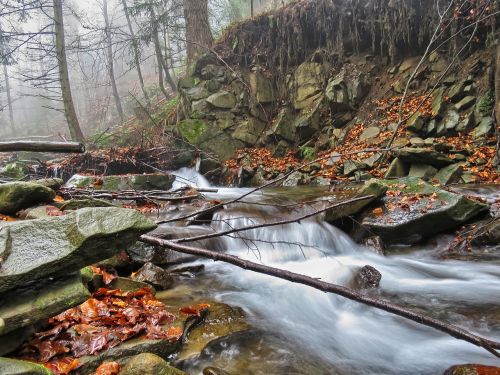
(300, 330)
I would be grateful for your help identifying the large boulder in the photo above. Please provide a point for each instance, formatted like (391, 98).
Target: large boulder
(151, 181)
(22, 308)
(222, 99)
(307, 84)
(414, 210)
(149, 364)
(38, 249)
(262, 87)
(15, 196)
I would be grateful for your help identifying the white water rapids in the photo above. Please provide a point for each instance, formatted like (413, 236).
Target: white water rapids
(350, 337)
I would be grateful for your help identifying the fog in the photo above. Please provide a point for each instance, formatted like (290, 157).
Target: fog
(27, 44)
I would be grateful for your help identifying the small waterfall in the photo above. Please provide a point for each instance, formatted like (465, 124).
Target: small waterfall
(353, 338)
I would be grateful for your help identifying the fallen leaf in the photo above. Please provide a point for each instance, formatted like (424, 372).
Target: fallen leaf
(108, 368)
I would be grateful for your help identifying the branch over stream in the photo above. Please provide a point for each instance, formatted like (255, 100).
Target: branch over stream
(452, 330)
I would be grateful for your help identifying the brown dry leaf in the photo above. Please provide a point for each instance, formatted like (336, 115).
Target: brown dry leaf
(378, 211)
(108, 368)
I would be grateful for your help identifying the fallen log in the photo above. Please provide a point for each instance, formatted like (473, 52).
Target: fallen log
(39, 146)
(452, 330)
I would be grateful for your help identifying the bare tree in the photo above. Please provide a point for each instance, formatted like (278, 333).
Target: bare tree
(109, 53)
(135, 50)
(198, 33)
(69, 107)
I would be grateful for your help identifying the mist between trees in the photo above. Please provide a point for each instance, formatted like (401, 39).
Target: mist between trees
(74, 68)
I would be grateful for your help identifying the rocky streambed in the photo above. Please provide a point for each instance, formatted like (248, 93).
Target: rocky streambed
(81, 295)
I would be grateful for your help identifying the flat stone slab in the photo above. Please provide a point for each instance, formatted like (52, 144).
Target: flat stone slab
(33, 250)
(21, 309)
(152, 181)
(414, 210)
(423, 156)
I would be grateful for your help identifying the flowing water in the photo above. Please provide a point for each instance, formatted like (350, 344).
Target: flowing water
(300, 330)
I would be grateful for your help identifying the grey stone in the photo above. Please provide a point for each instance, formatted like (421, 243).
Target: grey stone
(76, 204)
(15, 170)
(465, 103)
(22, 308)
(369, 133)
(438, 103)
(37, 249)
(282, 126)
(450, 174)
(15, 196)
(451, 120)
(431, 214)
(293, 180)
(197, 93)
(222, 99)
(484, 128)
(52, 183)
(466, 123)
(249, 131)
(417, 142)
(423, 156)
(307, 84)
(157, 276)
(456, 92)
(397, 169)
(9, 366)
(262, 87)
(351, 166)
(367, 277)
(415, 123)
(423, 171)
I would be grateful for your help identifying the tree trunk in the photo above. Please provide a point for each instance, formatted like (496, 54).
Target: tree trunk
(199, 37)
(69, 107)
(135, 48)
(161, 59)
(111, 69)
(251, 8)
(160, 74)
(38, 146)
(9, 98)
(497, 83)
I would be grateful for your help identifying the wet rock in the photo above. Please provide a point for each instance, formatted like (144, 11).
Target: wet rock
(433, 211)
(23, 308)
(15, 196)
(423, 156)
(52, 183)
(423, 171)
(450, 174)
(15, 170)
(293, 180)
(152, 181)
(9, 366)
(367, 277)
(221, 321)
(11, 341)
(375, 244)
(397, 168)
(76, 204)
(465, 103)
(149, 364)
(126, 284)
(157, 276)
(36, 249)
(222, 99)
(487, 233)
(472, 369)
(371, 187)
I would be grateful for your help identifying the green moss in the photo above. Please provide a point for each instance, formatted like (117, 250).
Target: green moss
(486, 102)
(192, 129)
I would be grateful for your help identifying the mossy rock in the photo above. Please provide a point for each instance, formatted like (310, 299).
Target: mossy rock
(425, 211)
(76, 204)
(9, 366)
(151, 181)
(149, 364)
(33, 250)
(192, 129)
(16, 170)
(15, 196)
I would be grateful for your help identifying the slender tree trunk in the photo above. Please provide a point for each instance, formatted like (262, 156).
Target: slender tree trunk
(111, 69)
(160, 73)
(497, 83)
(9, 98)
(69, 107)
(161, 59)
(135, 48)
(198, 34)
